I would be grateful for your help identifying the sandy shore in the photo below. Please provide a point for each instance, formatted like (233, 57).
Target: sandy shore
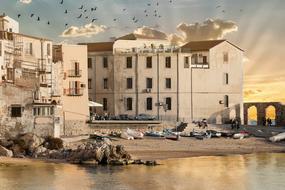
(156, 149)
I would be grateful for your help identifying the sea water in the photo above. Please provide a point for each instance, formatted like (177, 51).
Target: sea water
(236, 172)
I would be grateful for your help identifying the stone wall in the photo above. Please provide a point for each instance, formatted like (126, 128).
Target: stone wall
(74, 128)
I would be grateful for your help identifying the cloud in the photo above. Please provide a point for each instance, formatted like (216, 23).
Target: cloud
(151, 32)
(87, 30)
(210, 29)
(248, 93)
(26, 1)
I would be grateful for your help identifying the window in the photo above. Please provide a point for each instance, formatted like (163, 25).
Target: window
(105, 62)
(129, 104)
(43, 111)
(226, 78)
(148, 82)
(226, 57)
(29, 48)
(168, 103)
(194, 59)
(74, 88)
(149, 62)
(205, 60)
(48, 49)
(16, 111)
(129, 62)
(186, 62)
(105, 104)
(105, 83)
(168, 82)
(77, 72)
(149, 104)
(89, 63)
(10, 74)
(226, 101)
(89, 83)
(129, 83)
(168, 62)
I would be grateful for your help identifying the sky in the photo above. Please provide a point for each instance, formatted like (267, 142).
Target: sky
(257, 26)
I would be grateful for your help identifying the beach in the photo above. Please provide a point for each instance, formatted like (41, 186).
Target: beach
(151, 148)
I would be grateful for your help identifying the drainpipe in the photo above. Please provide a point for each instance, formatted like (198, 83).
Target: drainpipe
(158, 101)
(191, 83)
(177, 98)
(137, 87)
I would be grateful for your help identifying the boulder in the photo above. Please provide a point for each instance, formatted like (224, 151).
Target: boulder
(29, 142)
(53, 143)
(5, 152)
(18, 151)
(6, 143)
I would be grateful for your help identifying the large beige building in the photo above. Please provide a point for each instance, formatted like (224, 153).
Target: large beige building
(135, 75)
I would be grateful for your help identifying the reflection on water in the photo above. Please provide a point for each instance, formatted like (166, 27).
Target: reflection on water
(254, 172)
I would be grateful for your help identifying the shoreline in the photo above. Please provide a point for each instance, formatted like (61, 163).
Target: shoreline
(161, 149)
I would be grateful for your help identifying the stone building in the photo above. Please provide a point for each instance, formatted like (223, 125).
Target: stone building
(135, 75)
(26, 82)
(42, 87)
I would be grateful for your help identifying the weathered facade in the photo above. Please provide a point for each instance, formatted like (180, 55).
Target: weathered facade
(136, 75)
(26, 82)
(42, 87)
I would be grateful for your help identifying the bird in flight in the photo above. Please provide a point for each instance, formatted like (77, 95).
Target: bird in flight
(61, 2)
(38, 19)
(94, 19)
(65, 11)
(48, 23)
(81, 7)
(32, 15)
(79, 16)
(19, 15)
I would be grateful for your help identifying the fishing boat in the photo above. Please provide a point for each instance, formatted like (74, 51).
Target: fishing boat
(135, 134)
(125, 135)
(277, 138)
(154, 134)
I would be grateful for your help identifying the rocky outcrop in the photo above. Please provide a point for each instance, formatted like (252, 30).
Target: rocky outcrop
(99, 150)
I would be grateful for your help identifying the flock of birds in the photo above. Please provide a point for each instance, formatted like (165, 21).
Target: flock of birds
(151, 10)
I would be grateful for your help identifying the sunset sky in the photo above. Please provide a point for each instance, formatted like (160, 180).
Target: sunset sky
(257, 26)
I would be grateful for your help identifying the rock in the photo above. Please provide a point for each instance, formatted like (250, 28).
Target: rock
(151, 163)
(40, 152)
(6, 143)
(29, 142)
(5, 152)
(18, 151)
(119, 162)
(139, 162)
(53, 143)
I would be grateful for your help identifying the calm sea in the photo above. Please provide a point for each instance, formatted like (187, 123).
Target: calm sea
(237, 172)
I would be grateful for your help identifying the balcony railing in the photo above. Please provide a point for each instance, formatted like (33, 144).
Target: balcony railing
(74, 73)
(203, 65)
(73, 91)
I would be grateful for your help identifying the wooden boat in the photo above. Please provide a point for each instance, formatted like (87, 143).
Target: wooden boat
(172, 137)
(278, 137)
(135, 134)
(125, 135)
(154, 134)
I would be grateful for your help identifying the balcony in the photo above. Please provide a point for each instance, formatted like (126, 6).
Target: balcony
(74, 73)
(203, 65)
(73, 91)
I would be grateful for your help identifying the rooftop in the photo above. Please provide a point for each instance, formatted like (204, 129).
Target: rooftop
(204, 45)
(133, 36)
(99, 47)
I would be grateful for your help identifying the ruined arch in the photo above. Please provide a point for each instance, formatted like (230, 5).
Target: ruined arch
(270, 112)
(252, 115)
